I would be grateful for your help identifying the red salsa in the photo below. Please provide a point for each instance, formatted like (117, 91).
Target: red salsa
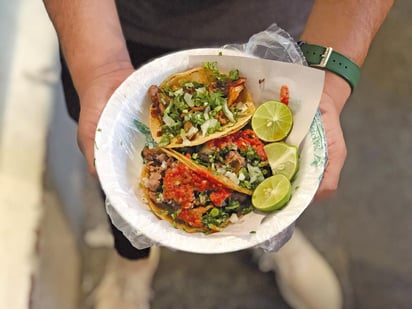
(180, 184)
(284, 94)
(242, 139)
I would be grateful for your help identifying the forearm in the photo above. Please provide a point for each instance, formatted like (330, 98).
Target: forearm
(90, 36)
(348, 27)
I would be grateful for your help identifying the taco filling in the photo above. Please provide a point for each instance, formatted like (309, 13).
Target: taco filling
(239, 157)
(190, 199)
(192, 106)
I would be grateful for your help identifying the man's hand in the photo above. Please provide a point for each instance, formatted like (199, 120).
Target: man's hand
(93, 99)
(349, 28)
(336, 147)
(94, 49)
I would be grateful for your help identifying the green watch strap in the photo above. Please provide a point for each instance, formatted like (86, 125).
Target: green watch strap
(326, 58)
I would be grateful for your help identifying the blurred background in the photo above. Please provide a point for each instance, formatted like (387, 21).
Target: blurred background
(54, 232)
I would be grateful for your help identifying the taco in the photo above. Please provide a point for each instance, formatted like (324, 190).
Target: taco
(192, 107)
(238, 159)
(190, 199)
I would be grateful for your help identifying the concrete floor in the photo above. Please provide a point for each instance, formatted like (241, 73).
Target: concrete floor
(364, 231)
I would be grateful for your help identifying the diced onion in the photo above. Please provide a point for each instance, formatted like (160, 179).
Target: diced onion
(232, 177)
(192, 131)
(210, 123)
(178, 92)
(186, 136)
(234, 218)
(188, 99)
(168, 120)
(242, 107)
(255, 173)
(185, 141)
(228, 113)
(201, 90)
(206, 113)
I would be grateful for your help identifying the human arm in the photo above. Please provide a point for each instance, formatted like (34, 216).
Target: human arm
(94, 48)
(348, 27)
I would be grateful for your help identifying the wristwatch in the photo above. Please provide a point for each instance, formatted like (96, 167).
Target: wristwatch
(326, 58)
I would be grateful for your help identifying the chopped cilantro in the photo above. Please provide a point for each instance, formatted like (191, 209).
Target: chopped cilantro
(234, 74)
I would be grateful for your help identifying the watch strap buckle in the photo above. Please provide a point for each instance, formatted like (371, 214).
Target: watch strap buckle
(324, 58)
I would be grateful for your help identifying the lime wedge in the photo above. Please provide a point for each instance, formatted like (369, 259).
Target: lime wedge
(272, 194)
(283, 158)
(272, 121)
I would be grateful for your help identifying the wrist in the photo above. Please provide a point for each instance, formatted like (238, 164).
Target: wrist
(326, 58)
(96, 91)
(90, 36)
(86, 68)
(85, 77)
(337, 90)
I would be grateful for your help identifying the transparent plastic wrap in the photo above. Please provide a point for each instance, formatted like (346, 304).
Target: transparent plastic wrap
(273, 43)
(118, 149)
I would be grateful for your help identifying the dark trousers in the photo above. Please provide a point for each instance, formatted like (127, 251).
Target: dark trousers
(139, 55)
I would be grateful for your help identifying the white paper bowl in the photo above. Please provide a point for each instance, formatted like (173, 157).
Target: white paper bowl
(119, 164)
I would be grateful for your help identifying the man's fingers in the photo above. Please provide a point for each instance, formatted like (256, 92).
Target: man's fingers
(85, 140)
(336, 159)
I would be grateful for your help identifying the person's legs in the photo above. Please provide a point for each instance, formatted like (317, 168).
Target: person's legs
(139, 54)
(126, 282)
(304, 277)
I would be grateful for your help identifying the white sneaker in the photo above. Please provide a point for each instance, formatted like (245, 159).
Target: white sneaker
(126, 284)
(305, 279)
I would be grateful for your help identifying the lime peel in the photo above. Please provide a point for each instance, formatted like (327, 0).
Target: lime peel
(272, 194)
(283, 158)
(272, 121)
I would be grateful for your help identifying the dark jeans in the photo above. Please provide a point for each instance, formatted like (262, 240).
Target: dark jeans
(139, 54)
